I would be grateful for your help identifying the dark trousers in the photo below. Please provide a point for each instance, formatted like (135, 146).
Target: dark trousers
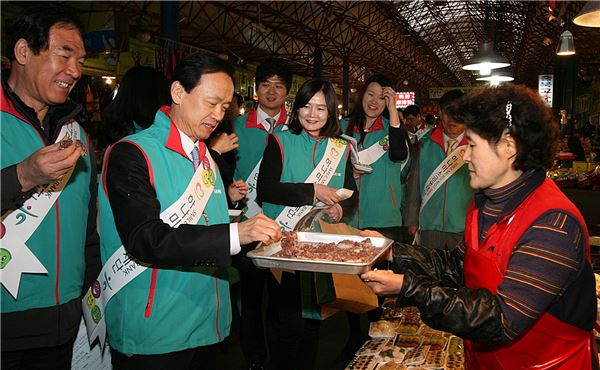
(46, 358)
(252, 331)
(293, 340)
(199, 358)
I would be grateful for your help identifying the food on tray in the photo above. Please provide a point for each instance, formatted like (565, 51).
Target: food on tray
(390, 312)
(372, 346)
(342, 251)
(391, 365)
(416, 356)
(382, 328)
(363, 363)
(435, 359)
(392, 353)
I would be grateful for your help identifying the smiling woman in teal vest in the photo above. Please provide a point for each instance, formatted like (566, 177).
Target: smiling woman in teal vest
(301, 166)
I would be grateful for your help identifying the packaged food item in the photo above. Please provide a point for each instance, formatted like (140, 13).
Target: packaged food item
(363, 363)
(416, 356)
(382, 329)
(435, 359)
(391, 366)
(372, 346)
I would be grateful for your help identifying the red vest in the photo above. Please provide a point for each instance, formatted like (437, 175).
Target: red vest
(549, 343)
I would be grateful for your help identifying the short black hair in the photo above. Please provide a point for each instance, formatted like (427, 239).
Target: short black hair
(412, 110)
(449, 97)
(238, 98)
(193, 66)
(304, 94)
(33, 24)
(274, 67)
(530, 122)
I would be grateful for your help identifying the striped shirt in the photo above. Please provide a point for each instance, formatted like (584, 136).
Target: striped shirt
(547, 269)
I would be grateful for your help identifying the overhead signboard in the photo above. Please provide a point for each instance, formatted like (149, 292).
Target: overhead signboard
(546, 88)
(404, 99)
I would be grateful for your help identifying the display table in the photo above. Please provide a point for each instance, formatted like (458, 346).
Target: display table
(401, 341)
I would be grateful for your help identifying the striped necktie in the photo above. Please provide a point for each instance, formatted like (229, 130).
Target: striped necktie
(271, 122)
(195, 157)
(451, 143)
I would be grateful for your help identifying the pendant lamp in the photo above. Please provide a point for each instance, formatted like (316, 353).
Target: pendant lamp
(497, 76)
(566, 46)
(486, 60)
(589, 16)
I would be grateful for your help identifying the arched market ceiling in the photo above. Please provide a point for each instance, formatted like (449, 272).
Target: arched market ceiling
(422, 43)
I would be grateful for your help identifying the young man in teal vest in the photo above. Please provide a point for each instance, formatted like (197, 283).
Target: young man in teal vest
(273, 83)
(437, 210)
(162, 200)
(49, 240)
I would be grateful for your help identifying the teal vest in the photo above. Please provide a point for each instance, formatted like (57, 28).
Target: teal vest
(59, 241)
(252, 140)
(447, 208)
(381, 193)
(191, 305)
(301, 153)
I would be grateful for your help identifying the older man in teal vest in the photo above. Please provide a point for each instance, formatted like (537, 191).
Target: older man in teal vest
(166, 233)
(48, 234)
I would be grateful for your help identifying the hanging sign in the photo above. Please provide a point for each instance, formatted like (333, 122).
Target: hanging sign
(546, 88)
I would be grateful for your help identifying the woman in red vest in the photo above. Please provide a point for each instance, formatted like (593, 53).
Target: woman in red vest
(520, 290)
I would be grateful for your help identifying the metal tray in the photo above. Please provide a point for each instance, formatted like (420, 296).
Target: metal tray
(262, 256)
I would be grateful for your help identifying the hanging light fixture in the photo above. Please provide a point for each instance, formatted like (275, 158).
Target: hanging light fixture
(589, 16)
(486, 60)
(498, 76)
(566, 46)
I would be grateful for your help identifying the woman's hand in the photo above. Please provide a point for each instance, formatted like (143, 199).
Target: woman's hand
(326, 194)
(237, 190)
(383, 282)
(390, 102)
(335, 211)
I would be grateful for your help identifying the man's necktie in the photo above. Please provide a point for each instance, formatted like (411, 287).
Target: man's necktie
(271, 122)
(451, 143)
(195, 157)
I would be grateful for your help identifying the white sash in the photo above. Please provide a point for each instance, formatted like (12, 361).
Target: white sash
(374, 152)
(119, 270)
(18, 225)
(323, 172)
(452, 163)
(253, 207)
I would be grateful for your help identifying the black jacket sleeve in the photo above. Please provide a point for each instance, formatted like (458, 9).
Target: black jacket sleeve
(12, 197)
(93, 264)
(433, 282)
(399, 146)
(145, 236)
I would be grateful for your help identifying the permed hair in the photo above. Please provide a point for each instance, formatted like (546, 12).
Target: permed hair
(530, 122)
(33, 24)
(303, 96)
